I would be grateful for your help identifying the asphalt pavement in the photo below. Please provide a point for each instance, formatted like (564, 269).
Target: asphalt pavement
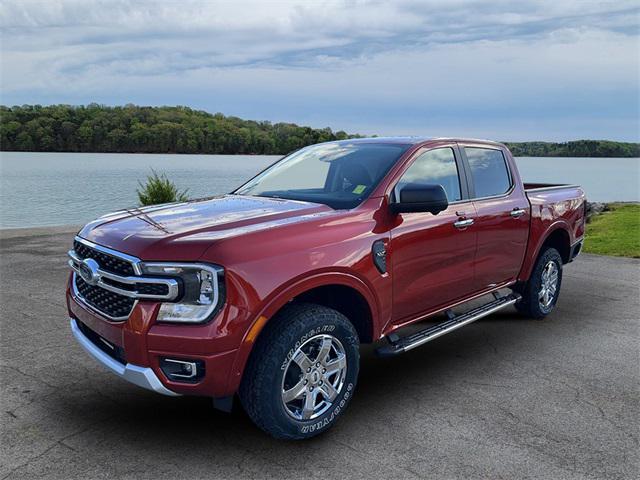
(505, 397)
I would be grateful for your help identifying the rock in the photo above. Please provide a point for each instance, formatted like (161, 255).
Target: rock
(595, 208)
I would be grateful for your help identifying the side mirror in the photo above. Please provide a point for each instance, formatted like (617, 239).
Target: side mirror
(421, 197)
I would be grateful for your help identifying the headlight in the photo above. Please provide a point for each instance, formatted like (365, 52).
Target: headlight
(202, 291)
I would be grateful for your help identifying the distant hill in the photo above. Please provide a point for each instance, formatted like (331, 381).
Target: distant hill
(577, 148)
(135, 129)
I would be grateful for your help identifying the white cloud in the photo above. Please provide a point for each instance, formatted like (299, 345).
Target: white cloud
(373, 66)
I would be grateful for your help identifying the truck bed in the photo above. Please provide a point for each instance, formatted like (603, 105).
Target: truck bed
(555, 206)
(546, 186)
(549, 194)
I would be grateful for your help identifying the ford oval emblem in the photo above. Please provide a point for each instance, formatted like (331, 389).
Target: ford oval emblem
(88, 271)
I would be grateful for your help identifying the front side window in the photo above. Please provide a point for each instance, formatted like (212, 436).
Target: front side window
(488, 171)
(340, 175)
(434, 166)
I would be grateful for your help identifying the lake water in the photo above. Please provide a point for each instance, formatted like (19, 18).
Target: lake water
(42, 189)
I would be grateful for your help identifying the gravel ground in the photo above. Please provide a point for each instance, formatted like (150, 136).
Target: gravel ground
(505, 397)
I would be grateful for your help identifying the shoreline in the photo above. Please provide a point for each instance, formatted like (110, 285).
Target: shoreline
(42, 231)
(267, 154)
(594, 209)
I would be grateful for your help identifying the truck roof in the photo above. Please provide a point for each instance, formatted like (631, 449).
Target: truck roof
(414, 140)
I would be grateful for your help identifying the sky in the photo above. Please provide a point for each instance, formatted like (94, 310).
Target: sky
(506, 70)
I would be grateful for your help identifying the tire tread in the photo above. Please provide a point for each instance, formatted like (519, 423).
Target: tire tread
(279, 335)
(529, 305)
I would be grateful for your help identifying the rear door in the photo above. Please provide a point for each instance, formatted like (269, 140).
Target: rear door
(433, 255)
(502, 215)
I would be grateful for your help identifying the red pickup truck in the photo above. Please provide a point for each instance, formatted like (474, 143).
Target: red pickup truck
(267, 292)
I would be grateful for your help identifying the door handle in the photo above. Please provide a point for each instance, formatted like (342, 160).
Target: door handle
(517, 212)
(463, 223)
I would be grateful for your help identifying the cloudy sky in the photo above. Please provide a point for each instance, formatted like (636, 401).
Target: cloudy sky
(518, 70)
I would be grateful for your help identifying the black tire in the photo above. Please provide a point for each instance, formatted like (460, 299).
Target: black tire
(531, 304)
(261, 390)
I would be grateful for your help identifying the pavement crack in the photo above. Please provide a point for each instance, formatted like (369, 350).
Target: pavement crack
(364, 455)
(30, 375)
(53, 445)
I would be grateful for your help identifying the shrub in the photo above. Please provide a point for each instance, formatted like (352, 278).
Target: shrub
(159, 189)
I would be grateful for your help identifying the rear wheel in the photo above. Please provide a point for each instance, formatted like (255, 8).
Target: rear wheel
(302, 372)
(540, 293)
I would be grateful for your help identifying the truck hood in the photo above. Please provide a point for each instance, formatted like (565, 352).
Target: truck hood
(184, 231)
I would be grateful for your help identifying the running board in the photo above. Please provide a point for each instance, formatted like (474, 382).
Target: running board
(399, 345)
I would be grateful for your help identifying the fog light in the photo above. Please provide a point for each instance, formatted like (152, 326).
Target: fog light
(190, 371)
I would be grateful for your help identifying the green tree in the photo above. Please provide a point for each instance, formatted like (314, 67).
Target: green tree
(131, 128)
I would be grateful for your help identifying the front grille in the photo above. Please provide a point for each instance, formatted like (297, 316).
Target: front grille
(152, 288)
(111, 304)
(114, 351)
(107, 262)
(139, 287)
(108, 282)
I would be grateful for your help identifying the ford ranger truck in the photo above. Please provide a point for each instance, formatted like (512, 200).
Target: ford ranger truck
(267, 293)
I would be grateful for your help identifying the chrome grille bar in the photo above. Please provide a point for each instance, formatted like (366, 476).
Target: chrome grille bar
(134, 261)
(89, 268)
(171, 284)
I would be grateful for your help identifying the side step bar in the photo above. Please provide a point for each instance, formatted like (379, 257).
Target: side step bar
(399, 345)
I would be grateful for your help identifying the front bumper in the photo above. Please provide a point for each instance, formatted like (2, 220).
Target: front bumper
(144, 377)
(143, 343)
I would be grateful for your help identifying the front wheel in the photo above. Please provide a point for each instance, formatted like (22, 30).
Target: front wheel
(302, 372)
(540, 293)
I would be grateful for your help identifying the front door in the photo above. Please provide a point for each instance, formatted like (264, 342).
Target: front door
(433, 255)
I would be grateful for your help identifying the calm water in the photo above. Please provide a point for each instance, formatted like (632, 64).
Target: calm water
(40, 189)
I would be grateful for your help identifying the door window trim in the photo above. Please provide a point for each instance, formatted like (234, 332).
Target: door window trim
(469, 174)
(460, 167)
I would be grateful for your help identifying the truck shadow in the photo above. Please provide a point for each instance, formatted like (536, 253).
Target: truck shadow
(191, 424)
(435, 361)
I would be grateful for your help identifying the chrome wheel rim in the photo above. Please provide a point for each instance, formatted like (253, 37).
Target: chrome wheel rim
(549, 284)
(313, 377)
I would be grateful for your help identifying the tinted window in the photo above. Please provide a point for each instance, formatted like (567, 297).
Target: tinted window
(340, 174)
(435, 166)
(488, 171)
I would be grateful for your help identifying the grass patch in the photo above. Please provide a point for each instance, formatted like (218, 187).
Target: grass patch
(616, 232)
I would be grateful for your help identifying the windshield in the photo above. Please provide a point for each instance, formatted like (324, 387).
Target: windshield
(340, 175)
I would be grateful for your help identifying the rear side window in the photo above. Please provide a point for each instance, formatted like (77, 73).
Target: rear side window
(488, 171)
(434, 166)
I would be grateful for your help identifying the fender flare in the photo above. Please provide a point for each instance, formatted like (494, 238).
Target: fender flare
(280, 298)
(555, 226)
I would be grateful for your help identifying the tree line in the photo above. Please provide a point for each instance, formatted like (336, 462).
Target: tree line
(135, 129)
(578, 148)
